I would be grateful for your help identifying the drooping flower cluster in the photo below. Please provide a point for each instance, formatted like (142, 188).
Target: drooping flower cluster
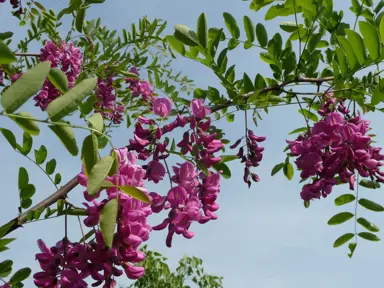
(94, 259)
(64, 56)
(253, 156)
(139, 87)
(107, 104)
(335, 147)
(190, 201)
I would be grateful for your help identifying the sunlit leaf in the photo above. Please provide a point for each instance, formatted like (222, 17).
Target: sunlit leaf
(98, 174)
(67, 137)
(135, 193)
(108, 221)
(340, 218)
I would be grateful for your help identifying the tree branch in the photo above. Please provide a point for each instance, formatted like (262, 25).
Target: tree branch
(59, 194)
(27, 54)
(64, 190)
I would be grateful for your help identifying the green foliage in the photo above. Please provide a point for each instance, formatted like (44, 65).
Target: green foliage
(190, 270)
(108, 221)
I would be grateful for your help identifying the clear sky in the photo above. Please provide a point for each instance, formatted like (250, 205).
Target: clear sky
(264, 237)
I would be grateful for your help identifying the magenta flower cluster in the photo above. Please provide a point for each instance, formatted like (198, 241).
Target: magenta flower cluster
(64, 56)
(139, 87)
(107, 104)
(336, 147)
(94, 259)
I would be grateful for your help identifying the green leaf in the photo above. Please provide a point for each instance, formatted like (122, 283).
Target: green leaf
(5, 35)
(96, 121)
(232, 25)
(342, 61)
(80, 20)
(369, 184)
(6, 268)
(230, 117)
(288, 170)
(340, 218)
(175, 44)
(262, 35)
(28, 191)
(98, 174)
(249, 29)
(352, 247)
(5, 228)
(349, 51)
(298, 130)
(344, 199)
(108, 218)
(41, 154)
(50, 166)
(277, 168)
(25, 87)
(370, 205)
(288, 26)
(57, 179)
(368, 225)
(6, 54)
(186, 35)
(358, 45)
(248, 84)
(135, 193)
(27, 125)
(129, 74)
(115, 166)
(27, 144)
(26, 203)
(68, 103)
(369, 236)
(225, 171)
(202, 30)
(9, 136)
(378, 94)
(371, 39)
(381, 29)
(228, 158)
(58, 79)
(89, 152)
(308, 115)
(67, 137)
(343, 239)
(23, 178)
(20, 276)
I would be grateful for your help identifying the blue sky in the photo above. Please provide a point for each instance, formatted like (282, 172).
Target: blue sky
(264, 237)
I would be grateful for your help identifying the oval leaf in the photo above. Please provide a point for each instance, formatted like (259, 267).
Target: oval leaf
(80, 20)
(28, 125)
(343, 239)
(232, 25)
(135, 193)
(96, 121)
(186, 35)
(6, 268)
(202, 30)
(58, 79)
(371, 39)
(370, 205)
(369, 184)
(358, 45)
(25, 87)
(249, 29)
(98, 174)
(340, 218)
(108, 221)
(288, 170)
(67, 137)
(62, 106)
(368, 225)
(89, 152)
(369, 236)
(344, 199)
(262, 35)
(277, 168)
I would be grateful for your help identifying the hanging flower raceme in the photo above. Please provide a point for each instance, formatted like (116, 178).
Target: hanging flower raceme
(107, 104)
(139, 87)
(95, 259)
(64, 56)
(335, 148)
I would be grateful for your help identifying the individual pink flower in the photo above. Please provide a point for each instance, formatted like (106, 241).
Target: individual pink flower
(199, 109)
(155, 171)
(162, 106)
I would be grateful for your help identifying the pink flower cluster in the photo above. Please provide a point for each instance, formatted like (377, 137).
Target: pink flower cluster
(69, 59)
(336, 146)
(139, 87)
(107, 104)
(187, 201)
(95, 259)
(253, 157)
